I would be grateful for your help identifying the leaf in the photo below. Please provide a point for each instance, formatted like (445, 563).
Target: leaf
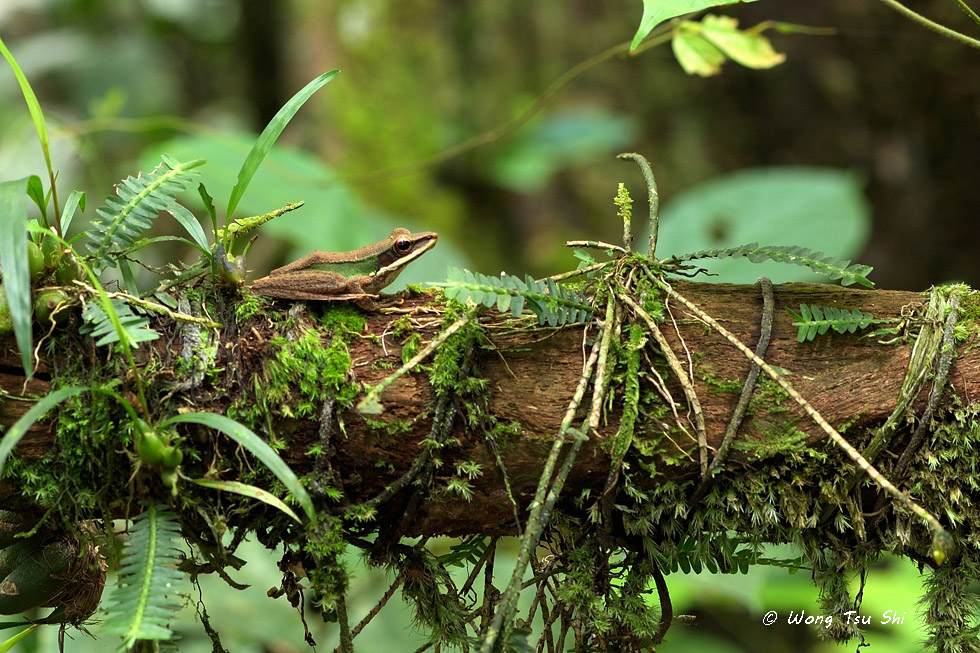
(136, 204)
(15, 266)
(822, 207)
(551, 302)
(76, 200)
(35, 190)
(8, 644)
(245, 437)
(13, 436)
(33, 106)
(696, 55)
(269, 136)
(106, 328)
(657, 11)
(145, 603)
(208, 205)
(814, 320)
(749, 49)
(249, 491)
(192, 226)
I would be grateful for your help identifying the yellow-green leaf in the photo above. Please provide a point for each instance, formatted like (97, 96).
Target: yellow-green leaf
(248, 491)
(749, 49)
(696, 55)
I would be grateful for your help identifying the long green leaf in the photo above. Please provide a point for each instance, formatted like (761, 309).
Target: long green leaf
(189, 222)
(76, 200)
(268, 138)
(245, 437)
(247, 490)
(13, 260)
(146, 598)
(9, 644)
(12, 437)
(657, 11)
(33, 106)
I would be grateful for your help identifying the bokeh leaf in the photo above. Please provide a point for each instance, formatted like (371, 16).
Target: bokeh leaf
(822, 207)
(657, 11)
(696, 55)
(16, 271)
(749, 49)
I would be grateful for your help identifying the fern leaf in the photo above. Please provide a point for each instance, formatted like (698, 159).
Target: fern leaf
(813, 320)
(828, 266)
(137, 202)
(99, 326)
(550, 301)
(146, 600)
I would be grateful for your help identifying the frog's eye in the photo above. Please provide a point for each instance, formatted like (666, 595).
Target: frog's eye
(403, 246)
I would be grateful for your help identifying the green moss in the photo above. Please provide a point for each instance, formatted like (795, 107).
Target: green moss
(769, 397)
(328, 575)
(411, 346)
(298, 378)
(784, 440)
(340, 318)
(389, 428)
(719, 385)
(248, 306)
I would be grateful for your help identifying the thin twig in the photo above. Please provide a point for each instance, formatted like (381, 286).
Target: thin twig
(653, 197)
(928, 24)
(151, 306)
(848, 448)
(681, 374)
(374, 393)
(969, 12)
(665, 34)
(537, 516)
(745, 397)
(738, 414)
(947, 350)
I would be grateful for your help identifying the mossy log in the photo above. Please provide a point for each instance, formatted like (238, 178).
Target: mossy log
(531, 374)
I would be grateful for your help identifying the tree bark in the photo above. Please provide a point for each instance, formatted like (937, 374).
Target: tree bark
(532, 374)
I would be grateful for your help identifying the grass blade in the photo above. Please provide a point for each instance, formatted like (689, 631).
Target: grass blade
(189, 222)
(13, 260)
(76, 200)
(34, 108)
(12, 437)
(268, 138)
(248, 491)
(245, 437)
(9, 644)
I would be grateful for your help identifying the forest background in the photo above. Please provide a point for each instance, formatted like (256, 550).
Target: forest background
(868, 137)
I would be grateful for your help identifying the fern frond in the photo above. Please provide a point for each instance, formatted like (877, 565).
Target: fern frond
(813, 319)
(146, 599)
(828, 266)
(137, 202)
(99, 326)
(551, 302)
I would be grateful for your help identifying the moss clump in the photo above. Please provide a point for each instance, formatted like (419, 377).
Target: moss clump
(302, 366)
(325, 548)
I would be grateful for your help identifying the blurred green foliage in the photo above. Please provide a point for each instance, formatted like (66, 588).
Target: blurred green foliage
(124, 82)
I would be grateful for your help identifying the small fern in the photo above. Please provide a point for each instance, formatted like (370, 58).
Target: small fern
(146, 600)
(828, 266)
(137, 202)
(551, 302)
(99, 326)
(814, 319)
